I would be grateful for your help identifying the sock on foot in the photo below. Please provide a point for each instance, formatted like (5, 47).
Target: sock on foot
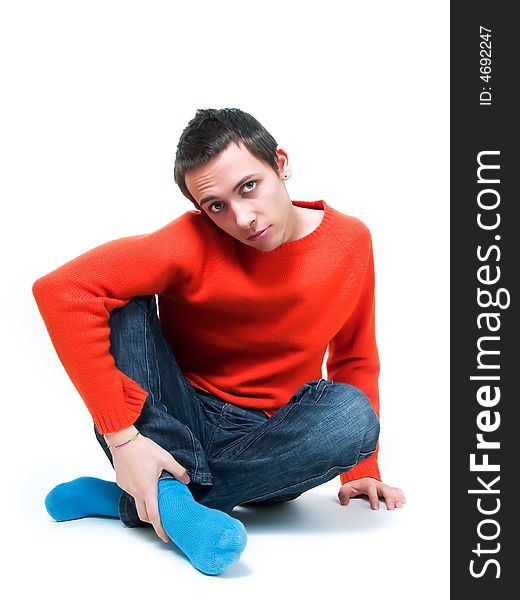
(83, 497)
(210, 538)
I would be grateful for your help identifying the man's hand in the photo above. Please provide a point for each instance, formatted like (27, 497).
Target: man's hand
(138, 466)
(374, 489)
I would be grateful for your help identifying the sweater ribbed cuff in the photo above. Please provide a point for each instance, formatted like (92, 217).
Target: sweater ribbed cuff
(366, 468)
(126, 412)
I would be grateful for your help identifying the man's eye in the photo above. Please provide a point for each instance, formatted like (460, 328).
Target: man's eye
(249, 189)
(213, 205)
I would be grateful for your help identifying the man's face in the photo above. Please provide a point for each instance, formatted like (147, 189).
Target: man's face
(243, 196)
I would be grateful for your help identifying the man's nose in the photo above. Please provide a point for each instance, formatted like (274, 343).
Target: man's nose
(244, 218)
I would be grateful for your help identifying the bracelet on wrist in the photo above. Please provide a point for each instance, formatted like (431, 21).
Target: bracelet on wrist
(124, 443)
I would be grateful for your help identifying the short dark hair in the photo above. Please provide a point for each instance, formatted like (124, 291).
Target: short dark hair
(210, 131)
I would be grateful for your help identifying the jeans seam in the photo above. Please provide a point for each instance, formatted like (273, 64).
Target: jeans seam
(321, 386)
(209, 445)
(195, 460)
(147, 359)
(365, 454)
(319, 393)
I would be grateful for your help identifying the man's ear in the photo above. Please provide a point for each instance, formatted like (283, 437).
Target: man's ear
(282, 158)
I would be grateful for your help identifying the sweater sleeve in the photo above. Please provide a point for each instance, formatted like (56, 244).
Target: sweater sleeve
(353, 358)
(75, 301)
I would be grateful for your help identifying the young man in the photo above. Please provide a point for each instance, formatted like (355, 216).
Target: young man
(221, 402)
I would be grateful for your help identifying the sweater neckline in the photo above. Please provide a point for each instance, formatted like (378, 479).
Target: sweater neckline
(295, 246)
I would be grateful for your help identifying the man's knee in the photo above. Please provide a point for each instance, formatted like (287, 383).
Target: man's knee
(360, 419)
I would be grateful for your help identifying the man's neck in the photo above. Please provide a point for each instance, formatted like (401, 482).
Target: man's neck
(307, 220)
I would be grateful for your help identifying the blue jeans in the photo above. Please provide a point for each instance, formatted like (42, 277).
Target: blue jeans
(236, 455)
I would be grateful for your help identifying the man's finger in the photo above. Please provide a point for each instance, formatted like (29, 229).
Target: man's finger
(390, 502)
(372, 496)
(177, 471)
(344, 498)
(400, 496)
(141, 510)
(152, 508)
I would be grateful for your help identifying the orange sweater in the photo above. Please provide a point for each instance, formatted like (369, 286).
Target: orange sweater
(250, 327)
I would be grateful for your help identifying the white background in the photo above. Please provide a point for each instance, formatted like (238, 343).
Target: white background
(95, 96)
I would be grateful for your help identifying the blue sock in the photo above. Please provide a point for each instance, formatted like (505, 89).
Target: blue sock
(83, 497)
(210, 538)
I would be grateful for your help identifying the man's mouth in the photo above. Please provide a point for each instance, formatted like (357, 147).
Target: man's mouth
(259, 234)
